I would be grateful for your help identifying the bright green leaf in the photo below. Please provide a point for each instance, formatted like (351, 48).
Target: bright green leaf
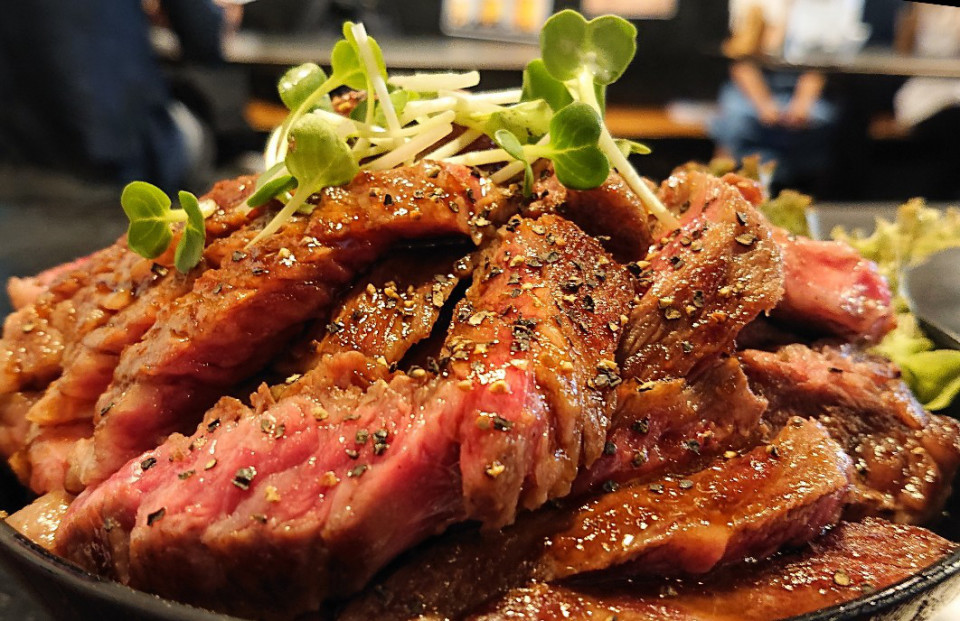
(347, 68)
(317, 156)
(148, 208)
(527, 121)
(509, 143)
(299, 82)
(629, 147)
(271, 189)
(574, 133)
(604, 46)
(190, 248)
(539, 84)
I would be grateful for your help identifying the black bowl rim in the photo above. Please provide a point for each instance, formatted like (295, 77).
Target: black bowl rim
(102, 589)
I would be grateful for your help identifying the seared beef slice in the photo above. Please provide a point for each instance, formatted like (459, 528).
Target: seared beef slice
(239, 315)
(748, 506)
(333, 480)
(905, 459)
(849, 562)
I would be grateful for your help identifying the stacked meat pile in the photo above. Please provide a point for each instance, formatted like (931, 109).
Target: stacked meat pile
(556, 376)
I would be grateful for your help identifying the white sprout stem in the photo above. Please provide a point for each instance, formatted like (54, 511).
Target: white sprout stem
(379, 86)
(416, 109)
(427, 82)
(481, 158)
(455, 146)
(513, 169)
(497, 97)
(406, 132)
(282, 216)
(409, 149)
(636, 183)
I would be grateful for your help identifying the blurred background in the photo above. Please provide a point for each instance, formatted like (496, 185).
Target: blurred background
(856, 100)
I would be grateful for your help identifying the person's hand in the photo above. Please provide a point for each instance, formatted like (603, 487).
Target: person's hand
(768, 113)
(797, 114)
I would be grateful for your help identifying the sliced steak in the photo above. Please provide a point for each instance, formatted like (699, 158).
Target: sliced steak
(239, 315)
(353, 458)
(850, 561)
(749, 506)
(612, 212)
(829, 289)
(712, 276)
(676, 426)
(905, 458)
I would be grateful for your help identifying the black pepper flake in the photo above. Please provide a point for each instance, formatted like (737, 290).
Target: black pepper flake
(656, 488)
(495, 271)
(469, 193)
(686, 483)
(639, 458)
(552, 257)
(238, 256)
(571, 285)
(534, 262)
(334, 327)
(148, 463)
(835, 370)
(380, 447)
(387, 199)
(186, 474)
(452, 206)
(514, 279)
(352, 453)
(361, 436)
(606, 377)
(641, 426)
(418, 194)
(686, 346)
(693, 446)
(244, 477)
(109, 524)
(698, 299)
(159, 270)
(106, 408)
(258, 271)
(773, 451)
(213, 424)
(746, 239)
(609, 448)
(357, 471)
(218, 288)
(610, 486)
(676, 262)
(742, 218)
(589, 303)
(502, 424)
(672, 313)
(259, 517)
(156, 516)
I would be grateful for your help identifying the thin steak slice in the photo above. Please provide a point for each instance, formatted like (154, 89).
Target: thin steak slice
(905, 458)
(711, 277)
(354, 464)
(778, 495)
(852, 560)
(677, 425)
(239, 315)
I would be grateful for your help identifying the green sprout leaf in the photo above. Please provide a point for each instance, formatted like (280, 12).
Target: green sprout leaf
(527, 121)
(579, 162)
(377, 56)
(271, 189)
(629, 147)
(603, 47)
(190, 249)
(299, 82)
(539, 84)
(509, 143)
(148, 209)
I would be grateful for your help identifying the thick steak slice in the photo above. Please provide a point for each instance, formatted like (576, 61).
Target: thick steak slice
(611, 212)
(829, 289)
(851, 560)
(677, 425)
(749, 506)
(354, 465)
(710, 278)
(240, 314)
(905, 458)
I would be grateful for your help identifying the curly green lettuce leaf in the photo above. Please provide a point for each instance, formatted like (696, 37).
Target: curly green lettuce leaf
(789, 210)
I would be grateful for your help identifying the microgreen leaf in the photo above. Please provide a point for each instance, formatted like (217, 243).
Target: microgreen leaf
(347, 67)
(629, 147)
(377, 55)
(271, 189)
(509, 143)
(574, 133)
(190, 248)
(148, 209)
(317, 156)
(604, 46)
(539, 84)
(527, 121)
(299, 82)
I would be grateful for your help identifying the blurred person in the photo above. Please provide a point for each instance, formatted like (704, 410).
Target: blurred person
(930, 107)
(81, 91)
(780, 116)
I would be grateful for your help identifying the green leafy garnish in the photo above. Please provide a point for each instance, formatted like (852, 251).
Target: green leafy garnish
(190, 249)
(789, 211)
(149, 234)
(299, 82)
(539, 84)
(577, 160)
(601, 48)
(270, 189)
(629, 147)
(509, 143)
